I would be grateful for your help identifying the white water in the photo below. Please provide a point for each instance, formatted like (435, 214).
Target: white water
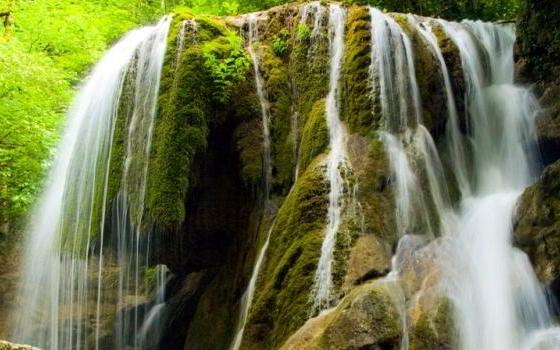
(188, 29)
(456, 149)
(504, 306)
(63, 277)
(323, 284)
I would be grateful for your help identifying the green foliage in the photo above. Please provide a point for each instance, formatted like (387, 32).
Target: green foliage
(47, 48)
(227, 62)
(303, 32)
(32, 96)
(279, 44)
(490, 10)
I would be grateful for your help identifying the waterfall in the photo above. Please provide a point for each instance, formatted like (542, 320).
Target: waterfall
(322, 287)
(68, 272)
(247, 298)
(504, 306)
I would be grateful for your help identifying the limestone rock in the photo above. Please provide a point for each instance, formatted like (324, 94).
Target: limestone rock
(365, 318)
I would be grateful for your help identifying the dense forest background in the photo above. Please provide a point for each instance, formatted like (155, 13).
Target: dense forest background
(47, 47)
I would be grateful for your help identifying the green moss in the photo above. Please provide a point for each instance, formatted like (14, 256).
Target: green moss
(282, 303)
(190, 94)
(314, 136)
(357, 100)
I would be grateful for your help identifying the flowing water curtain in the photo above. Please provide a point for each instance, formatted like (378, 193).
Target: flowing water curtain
(409, 145)
(65, 274)
(130, 224)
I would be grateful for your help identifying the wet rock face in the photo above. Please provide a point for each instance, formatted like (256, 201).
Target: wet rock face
(537, 226)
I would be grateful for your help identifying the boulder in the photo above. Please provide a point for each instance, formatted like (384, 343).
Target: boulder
(537, 226)
(367, 318)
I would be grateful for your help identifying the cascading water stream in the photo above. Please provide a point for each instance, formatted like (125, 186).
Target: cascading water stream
(408, 144)
(247, 298)
(322, 287)
(63, 283)
(252, 38)
(455, 147)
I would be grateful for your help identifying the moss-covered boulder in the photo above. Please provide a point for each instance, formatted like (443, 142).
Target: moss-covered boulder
(537, 226)
(367, 318)
(282, 300)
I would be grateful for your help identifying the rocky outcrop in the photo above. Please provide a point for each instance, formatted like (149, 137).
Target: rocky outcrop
(537, 226)
(221, 175)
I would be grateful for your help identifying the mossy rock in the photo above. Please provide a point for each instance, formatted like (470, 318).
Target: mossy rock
(367, 318)
(282, 301)
(357, 102)
(371, 168)
(314, 136)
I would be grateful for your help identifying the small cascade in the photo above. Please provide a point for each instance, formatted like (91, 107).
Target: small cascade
(455, 147)
(247, 298)
(323, 284)
(314, 12)
(252, 38)
(187, 30)
(68, 259)
(294, 127)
